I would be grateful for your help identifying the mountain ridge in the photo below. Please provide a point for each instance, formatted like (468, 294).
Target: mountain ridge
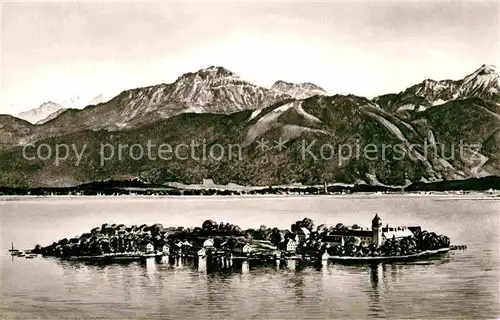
(469, 114)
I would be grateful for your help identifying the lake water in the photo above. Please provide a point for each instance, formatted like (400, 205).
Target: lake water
(458, 285)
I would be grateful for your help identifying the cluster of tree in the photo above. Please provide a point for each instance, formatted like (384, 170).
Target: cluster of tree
(304, 223)
(421, 241)
(109, 238)
(113, 238)
(211, 228)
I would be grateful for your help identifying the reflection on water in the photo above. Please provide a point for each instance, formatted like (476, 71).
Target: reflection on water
(245, 267)
(291, 264)
(316, 291)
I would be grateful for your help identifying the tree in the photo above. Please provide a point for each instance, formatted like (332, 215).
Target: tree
(156, 229)
(197, 230)
(289, 235)
(235, 230)
(349, 246)
(209, 226)
(231, 243)
(276, 238)
(249, 234)
(321, 228)
(308, 224)
(66, 250)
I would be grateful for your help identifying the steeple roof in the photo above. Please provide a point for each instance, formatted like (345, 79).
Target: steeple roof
(376, 220)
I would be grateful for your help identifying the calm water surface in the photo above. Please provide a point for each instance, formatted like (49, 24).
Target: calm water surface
(459, 285)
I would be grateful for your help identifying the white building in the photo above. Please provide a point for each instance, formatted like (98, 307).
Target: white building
(202, 252)
(290, 245)
(243, 248)
(187, 243)
(166, 250)
(150, 248)
(209, 243)
(397, 232)
(377, 235)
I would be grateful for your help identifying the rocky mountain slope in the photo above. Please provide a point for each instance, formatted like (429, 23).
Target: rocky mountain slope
(51, 116)
(274, 138)
(13, 130)
(298, 90)
(483, 83)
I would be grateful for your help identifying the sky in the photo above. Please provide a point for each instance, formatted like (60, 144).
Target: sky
(53, 51)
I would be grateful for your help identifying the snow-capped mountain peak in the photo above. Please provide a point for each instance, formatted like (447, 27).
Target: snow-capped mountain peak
(484, 81)
(298, 90)
(98, 99)
(42, 112)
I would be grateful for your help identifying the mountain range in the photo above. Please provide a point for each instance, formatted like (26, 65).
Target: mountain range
(215, 106)
(50, 110)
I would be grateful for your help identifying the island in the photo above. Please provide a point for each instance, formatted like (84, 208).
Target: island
(212, 240)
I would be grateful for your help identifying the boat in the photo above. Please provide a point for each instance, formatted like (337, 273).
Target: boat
(13, 251)
(423, 254)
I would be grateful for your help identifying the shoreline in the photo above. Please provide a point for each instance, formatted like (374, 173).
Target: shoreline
(423, 254)
(486, 185)
(367, 195)
(307, 258)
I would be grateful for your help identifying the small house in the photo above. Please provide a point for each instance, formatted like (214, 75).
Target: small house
(242, 248)
(202, 252)
(209, 243)
(150, 248)
(187, 243)
(166, 250)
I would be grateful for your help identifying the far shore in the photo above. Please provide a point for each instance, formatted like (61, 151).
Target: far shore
(485, 186)
(472, 195)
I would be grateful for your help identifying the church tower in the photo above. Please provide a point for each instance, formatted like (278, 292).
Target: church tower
(377, 231)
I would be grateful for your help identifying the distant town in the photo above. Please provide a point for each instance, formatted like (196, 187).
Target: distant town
(137, 187)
